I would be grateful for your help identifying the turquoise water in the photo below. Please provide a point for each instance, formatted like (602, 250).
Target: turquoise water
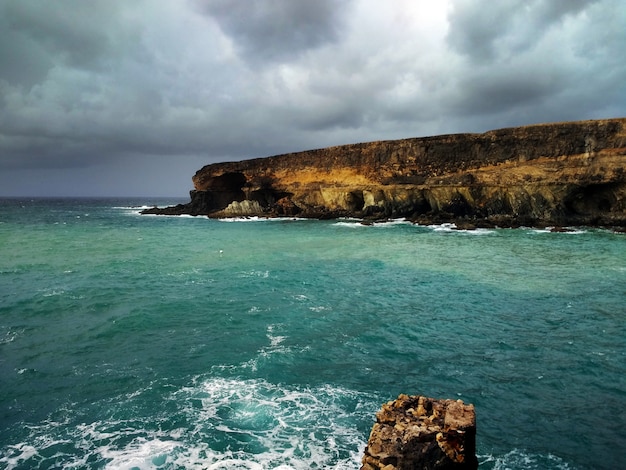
(131, 341)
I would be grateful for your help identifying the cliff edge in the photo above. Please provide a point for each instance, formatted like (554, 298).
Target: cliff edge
(570, 173)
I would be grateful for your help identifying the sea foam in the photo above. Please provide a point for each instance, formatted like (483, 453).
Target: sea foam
(213, 423)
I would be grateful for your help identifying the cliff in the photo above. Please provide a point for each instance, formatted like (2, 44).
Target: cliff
(546, 174)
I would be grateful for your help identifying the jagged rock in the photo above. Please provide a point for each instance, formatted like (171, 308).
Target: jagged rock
(420, 433)
(548, 174)
(245, 208)
(285, 207)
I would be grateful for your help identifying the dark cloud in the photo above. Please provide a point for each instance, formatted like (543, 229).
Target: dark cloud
(549, 59)
(277, 30)
(38, 36)
(93, 89)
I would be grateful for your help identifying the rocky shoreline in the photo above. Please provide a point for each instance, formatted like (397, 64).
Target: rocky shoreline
(545, 175)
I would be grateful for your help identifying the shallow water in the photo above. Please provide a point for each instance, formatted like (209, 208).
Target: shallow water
(131, 341)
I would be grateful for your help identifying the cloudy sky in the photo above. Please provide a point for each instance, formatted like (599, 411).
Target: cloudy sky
(130, 98)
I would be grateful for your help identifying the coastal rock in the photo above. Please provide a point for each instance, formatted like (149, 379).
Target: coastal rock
(420, 433)
(558, 174)
(245, 208)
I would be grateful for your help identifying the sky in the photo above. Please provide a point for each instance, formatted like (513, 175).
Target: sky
(131, 98)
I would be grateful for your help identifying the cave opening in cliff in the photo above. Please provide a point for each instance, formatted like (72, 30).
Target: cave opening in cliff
(593, 199)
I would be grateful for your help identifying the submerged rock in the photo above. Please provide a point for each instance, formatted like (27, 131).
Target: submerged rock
(420, 433)
(559, 174)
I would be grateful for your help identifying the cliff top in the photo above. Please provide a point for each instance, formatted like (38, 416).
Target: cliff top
(418, 158)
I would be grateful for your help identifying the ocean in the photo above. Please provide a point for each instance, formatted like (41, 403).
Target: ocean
(150, 342)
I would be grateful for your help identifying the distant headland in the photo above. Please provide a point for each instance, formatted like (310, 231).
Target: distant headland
(570, 173)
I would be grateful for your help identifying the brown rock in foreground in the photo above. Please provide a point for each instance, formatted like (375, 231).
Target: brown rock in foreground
(571, 173)
(420, 433)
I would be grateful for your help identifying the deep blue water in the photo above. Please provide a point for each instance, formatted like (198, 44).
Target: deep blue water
(131, 341)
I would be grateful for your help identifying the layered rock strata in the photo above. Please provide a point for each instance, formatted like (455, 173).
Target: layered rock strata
(562, 173)
(420, 433)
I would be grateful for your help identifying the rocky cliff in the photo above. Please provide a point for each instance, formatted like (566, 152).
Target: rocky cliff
(547, 174)
(416, 432)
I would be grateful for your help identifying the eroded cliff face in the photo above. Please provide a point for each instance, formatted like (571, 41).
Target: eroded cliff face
(563, 173)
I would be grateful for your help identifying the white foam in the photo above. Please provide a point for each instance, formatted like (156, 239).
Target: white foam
(52, 292)
(518, 458)
(478, 231)
(9, 335)
(350, 223)
(257, 218)
(565, 230)
(235, 464)
(140, 454)
(275, 341)
(163, 216)
(446, 227)
(18, 454)
(298, 427)
(451, 227)
(261, 274)
(132, 208)
(229, 424)
(392, 222)
(358, 223)
(319, 308)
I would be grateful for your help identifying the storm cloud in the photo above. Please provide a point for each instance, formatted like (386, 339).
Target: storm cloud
(276, 30)
(113, 97)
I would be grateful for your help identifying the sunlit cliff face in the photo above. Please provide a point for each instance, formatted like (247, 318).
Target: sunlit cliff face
(550, 172)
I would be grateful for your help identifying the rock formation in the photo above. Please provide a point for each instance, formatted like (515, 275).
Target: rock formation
(419, 433)
(545, 174)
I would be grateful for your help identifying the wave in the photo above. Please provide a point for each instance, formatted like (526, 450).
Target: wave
(257, 218)
(222, 423)
(8, 335)
(355, 224)
(178, 216)
(133, 208)
(521, 459)
(359, 223)
(272, 426)
(213, 423)
(451, 227)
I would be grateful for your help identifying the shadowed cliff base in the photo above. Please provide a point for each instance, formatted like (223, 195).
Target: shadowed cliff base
(571, 173)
